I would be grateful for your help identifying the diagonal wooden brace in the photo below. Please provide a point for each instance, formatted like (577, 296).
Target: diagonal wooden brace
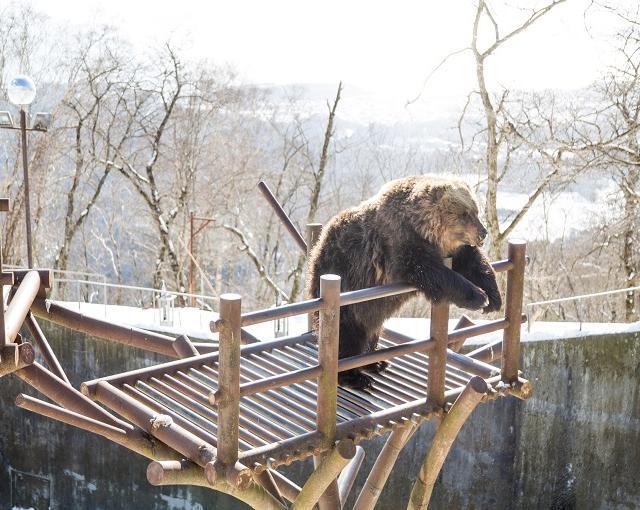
(443, 439)
(325, 473)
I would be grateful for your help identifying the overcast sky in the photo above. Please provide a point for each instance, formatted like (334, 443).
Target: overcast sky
(385, 47)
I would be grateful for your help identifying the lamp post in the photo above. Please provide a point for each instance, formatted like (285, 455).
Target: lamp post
(193, 232)
(22, 92)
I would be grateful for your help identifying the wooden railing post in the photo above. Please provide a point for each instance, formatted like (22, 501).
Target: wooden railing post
(328, 332)
(313, 233)
(513, 311)
(439, 333)
(327, 403)
(228, 397)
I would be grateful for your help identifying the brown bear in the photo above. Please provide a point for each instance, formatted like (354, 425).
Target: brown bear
(402, 234)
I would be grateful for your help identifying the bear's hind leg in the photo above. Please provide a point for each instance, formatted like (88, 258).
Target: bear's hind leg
(378, 366)
(353, 341)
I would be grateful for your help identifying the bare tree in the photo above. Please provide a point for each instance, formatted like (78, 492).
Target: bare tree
(497, 127)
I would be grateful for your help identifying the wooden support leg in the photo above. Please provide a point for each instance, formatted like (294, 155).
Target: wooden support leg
(286, 487)
(188, 473)
(324, 475)
(15, 357)
(327, 401)
(348, 475)
(443, 440)
(382, 468)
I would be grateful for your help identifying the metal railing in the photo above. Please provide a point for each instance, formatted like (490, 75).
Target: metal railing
(580, 299)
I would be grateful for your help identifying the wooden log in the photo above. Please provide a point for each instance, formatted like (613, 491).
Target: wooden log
(349, 474)
(21, 301)
(277, 208)
(287, 488)
(328, 336)
(325, 473)
(487, 353)
(46, 276)
(15, 357)
(184, 347)
(187, 473)
(132, 437)
(134, 337)
(45, 349)
(463, 322)
(184, 364)
(513, 310)
(115, 434)
(267, 481)
(327, 402)
(156, 424)
(439, 334)
(442, 441)
(380, 471)
(228, 394)
(65, 395)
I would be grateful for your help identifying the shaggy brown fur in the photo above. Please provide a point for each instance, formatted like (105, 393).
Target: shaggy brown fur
(402, 234)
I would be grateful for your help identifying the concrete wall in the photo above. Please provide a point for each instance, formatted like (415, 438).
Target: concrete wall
(574, 444)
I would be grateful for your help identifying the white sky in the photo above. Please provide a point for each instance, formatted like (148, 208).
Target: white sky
(385, 47)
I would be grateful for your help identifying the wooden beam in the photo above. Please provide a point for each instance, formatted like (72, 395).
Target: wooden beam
(325, 473)
(443, 440)
(228, 394)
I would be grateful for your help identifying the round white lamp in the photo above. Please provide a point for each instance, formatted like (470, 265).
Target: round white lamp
(21, 90)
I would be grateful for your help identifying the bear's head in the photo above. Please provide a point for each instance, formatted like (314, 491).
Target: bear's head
(446, 213)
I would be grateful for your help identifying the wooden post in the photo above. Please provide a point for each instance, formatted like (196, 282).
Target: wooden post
(348, 476)
(3, 338)
(513, 312)
(327, 403)
(183, 472)
(381, 470)
(228, 397)
(18, 308)
(313, 233)
(328, 335)
(45, 349)
(443, 440)
(439, 333)
(325, 473)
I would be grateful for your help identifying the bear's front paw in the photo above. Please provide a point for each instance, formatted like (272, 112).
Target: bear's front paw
(475, 299)
(495, 302)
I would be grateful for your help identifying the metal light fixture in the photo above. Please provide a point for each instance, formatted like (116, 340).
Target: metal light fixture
(6, 120)
(22, 92)
(41, 121)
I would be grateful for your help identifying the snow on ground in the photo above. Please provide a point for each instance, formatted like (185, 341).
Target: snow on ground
(195, 324)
